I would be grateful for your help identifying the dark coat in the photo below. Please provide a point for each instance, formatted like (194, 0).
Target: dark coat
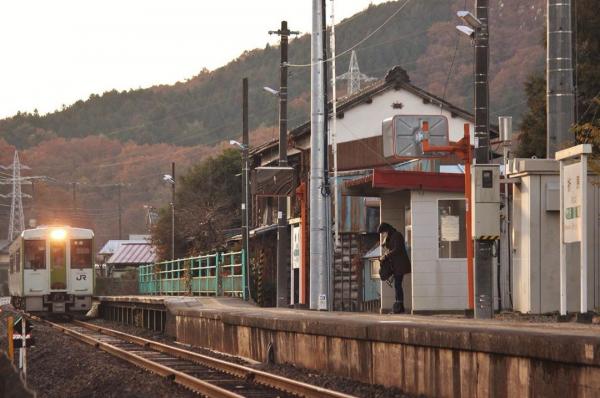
(395, 251)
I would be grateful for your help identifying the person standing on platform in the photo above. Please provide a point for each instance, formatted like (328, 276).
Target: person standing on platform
(395, 257)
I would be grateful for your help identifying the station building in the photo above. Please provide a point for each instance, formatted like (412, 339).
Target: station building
(411, 195)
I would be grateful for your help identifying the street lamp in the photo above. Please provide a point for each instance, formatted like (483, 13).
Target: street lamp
(245, 209)
(470, 19)
(271, 90)
(170, 179)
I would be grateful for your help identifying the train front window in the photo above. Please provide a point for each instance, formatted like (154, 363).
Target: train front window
(81, 253)
(35, 254)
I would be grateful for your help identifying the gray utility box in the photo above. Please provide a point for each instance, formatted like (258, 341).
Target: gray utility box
(485, 199)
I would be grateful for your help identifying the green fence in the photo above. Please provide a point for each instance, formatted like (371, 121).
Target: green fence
(219, 274)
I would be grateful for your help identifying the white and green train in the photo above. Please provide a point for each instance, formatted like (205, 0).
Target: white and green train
(52, 269)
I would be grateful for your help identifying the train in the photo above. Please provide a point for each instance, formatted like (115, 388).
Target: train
(51, 270)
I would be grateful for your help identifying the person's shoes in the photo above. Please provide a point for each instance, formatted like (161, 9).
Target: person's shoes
(398, 307)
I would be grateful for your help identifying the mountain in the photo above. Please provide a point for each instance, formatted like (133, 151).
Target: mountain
(106, 155)
(206, 109)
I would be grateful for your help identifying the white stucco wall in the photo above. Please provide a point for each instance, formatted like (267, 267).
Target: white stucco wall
(364, 120)
(437, 284)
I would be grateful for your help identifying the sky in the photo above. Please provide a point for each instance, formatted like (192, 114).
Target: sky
(57, 52)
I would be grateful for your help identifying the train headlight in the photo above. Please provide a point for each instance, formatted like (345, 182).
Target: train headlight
(58, 234)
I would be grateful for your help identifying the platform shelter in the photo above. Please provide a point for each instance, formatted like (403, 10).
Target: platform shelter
(429, 209)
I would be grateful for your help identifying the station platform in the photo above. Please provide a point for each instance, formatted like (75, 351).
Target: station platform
(441, 356)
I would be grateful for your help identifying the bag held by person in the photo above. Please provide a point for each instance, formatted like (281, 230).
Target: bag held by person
(385, 270)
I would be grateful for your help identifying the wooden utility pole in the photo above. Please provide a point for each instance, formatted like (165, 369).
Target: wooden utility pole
(283, 239)
(245, 186)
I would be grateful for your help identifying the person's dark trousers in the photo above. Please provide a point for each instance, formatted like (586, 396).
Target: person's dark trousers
(398, 287)
(399, 304)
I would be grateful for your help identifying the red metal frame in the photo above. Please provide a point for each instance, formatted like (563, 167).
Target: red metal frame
(463, 150)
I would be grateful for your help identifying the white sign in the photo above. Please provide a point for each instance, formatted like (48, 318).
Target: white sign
(571, 212)
(450, 229)
(4, 300)
(322, 302)
(296, 247)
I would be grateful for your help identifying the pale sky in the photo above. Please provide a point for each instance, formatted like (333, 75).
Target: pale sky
(57, 52)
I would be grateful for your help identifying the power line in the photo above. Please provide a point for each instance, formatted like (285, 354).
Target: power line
(367, 37)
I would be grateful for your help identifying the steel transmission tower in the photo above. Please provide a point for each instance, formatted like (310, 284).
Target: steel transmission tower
(353, 77)
(17, 219)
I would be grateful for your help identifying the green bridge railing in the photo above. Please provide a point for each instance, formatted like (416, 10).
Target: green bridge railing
(219, 274)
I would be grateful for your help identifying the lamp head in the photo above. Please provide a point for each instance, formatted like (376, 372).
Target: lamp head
(168, 178)
(466, 30)
(470, 19)
(271, 90)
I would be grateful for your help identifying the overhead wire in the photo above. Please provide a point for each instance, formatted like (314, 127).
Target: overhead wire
(364, 39)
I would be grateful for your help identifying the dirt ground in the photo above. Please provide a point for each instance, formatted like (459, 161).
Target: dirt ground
(58, 366)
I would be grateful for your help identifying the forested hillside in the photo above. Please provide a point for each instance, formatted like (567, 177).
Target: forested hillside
(205, 109)
(129, 139)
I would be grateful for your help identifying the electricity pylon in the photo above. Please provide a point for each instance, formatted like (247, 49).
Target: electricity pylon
(17, 219)
(353, 77)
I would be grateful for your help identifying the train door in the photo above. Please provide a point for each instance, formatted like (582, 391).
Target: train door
(81, 267)
(58, 264)
(35, 275)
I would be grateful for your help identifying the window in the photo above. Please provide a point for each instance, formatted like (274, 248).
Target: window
(375, 265)
(18, 261)
(12, 263)
(81, 253)
(35, 254)
(452, 230)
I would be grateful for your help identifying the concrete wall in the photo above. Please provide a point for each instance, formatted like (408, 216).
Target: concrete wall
(438, 283)
(433, 360)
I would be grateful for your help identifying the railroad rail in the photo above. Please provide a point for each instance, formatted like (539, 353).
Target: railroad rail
(206, 375)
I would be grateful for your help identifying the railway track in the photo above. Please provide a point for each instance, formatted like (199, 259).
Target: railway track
(203, 374)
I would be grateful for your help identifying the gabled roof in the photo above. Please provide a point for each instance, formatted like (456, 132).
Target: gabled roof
(396, 78)
(112, 246)
(133, 253)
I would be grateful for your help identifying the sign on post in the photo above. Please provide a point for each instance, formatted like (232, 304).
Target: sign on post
(571, 211)
(573, 217)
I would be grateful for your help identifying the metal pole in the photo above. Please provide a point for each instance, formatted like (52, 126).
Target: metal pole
(245, 186)
(9, 337)
(336, 205)
(283, 239)
(584, 254)
(560, 91)
(173, 211)
(319, 259)
(482, 123)
(24, 345)
(563, 251)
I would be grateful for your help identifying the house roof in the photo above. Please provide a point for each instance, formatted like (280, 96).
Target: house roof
(390, 180)
(112, 246)
(133, 253)
(396, 78)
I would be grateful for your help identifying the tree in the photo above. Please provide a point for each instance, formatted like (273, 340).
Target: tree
(587, 125)
(207, 204)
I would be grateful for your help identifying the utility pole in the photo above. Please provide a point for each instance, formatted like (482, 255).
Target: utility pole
(119, 209)
(320, 225)
(283, 239)
(245, 185)
(560, 90)
(173, 211)
(482, 56)
(74, 200)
